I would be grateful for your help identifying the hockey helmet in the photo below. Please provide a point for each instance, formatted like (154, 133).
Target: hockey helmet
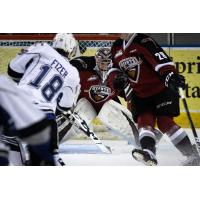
(103, 58)
(103, 61)
(65, 42)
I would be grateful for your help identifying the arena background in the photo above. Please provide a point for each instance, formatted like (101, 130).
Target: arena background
(183, 48)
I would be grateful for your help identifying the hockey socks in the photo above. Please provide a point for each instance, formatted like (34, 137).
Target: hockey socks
(182, 142)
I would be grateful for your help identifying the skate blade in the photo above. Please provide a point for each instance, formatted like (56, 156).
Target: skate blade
(140, 158)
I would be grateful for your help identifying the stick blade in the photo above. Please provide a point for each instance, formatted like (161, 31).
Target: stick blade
(104, 148)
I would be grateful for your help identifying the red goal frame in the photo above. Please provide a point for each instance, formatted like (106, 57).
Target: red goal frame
(49, 36)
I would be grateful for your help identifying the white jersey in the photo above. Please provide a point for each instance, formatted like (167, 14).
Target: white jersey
(47, 77)
(15, 105)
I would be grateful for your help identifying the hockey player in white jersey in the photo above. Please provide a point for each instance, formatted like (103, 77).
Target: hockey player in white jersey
(19, 118)
(51, 81)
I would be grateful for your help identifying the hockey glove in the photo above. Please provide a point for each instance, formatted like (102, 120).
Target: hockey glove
(173, 81)
(120, 82)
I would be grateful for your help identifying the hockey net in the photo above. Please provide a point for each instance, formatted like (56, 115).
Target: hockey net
(10, 45)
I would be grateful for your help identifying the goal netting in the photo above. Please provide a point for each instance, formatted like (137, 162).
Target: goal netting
(11, 44)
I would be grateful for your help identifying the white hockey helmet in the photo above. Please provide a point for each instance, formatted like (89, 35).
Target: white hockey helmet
(65, 42)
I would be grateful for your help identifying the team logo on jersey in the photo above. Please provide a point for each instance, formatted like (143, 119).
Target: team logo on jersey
(131, 66)
(99, 93)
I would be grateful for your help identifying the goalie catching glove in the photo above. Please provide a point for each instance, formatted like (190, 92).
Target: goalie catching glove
(173, 81)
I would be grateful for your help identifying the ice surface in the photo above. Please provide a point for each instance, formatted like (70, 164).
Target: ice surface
(86, 153)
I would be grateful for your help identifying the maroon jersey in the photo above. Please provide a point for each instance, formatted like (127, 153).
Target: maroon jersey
(143, 60)
(93, 88)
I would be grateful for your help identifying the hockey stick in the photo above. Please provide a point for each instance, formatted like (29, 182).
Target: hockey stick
(190, 120)
(81, 124)
(63, 131)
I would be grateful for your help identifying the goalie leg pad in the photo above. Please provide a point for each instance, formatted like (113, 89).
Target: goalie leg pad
(114, 116)
(86, 111)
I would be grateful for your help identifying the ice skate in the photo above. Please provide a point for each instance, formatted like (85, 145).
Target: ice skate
(145, 156)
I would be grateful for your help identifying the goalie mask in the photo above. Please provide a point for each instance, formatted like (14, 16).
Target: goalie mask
(103, 62)
(65, 42)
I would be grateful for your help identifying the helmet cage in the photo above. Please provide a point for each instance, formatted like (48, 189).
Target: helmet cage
(103, 58)
(103, 61)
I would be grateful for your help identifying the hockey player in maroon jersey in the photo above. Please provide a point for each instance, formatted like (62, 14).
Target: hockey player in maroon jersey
(93, 74)
(98, 99)
(150, 82)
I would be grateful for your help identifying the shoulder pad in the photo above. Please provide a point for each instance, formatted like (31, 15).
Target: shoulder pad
(146, 40)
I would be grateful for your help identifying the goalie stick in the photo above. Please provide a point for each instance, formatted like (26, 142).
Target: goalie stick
(190, 120)
(81, 124)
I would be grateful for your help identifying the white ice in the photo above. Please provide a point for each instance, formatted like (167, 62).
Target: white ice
(86, 153)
